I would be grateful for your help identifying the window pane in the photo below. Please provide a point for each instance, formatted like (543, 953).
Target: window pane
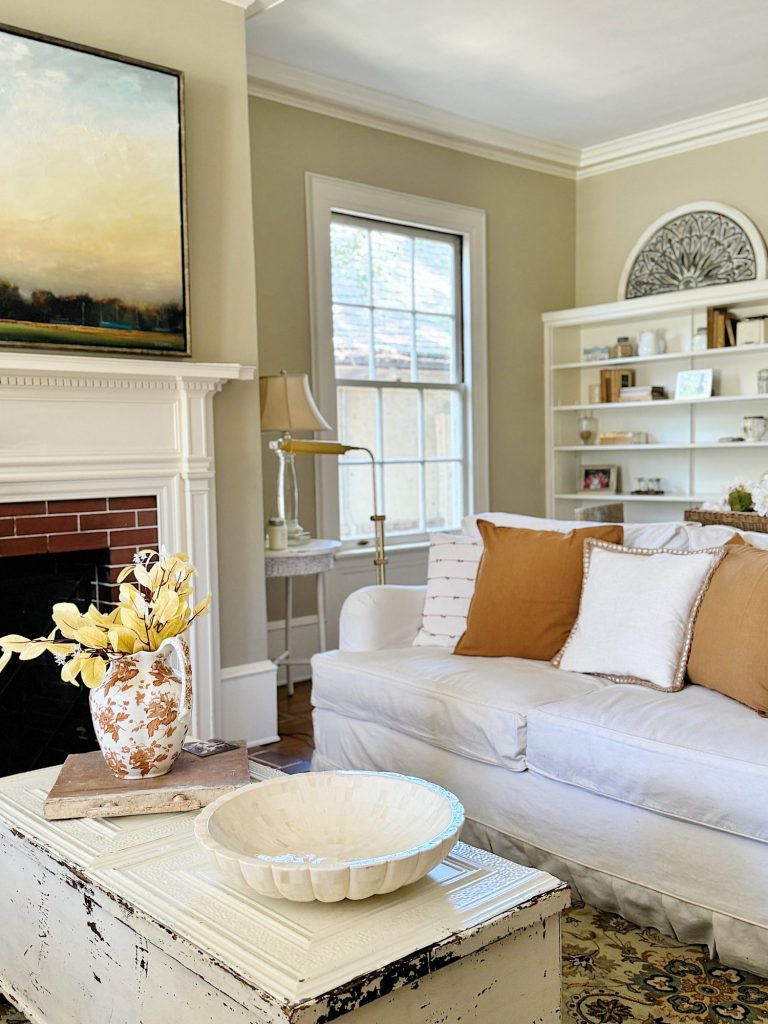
(434, 276)
(357, 417)
(392, 259)
(402, 498)
(355, 500)
(442, 424)
(435, 349)
(400, 414)
(350, 267)
(393, 337)
(442, 486)
(352, 342)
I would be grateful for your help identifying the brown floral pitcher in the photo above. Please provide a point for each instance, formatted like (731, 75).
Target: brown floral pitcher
(142, 711)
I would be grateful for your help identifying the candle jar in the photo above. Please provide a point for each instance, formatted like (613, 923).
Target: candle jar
(587, 429)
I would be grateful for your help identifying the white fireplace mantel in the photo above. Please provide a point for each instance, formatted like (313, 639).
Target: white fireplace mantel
(80, 426)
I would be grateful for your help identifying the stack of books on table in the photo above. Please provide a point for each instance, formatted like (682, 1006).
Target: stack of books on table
(642, 393)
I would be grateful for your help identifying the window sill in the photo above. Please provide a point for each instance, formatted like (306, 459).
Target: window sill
(352, 554)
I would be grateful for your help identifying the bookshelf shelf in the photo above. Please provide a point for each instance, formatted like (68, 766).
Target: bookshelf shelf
(693, 470)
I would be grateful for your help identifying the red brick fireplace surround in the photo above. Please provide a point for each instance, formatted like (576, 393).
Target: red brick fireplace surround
(119, 525)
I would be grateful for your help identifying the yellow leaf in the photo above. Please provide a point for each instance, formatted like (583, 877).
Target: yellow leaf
(59, 648)
(122, 640)
(32, 650)
(202, 607)
(92, 636)
(5, 658)
(68, 618)
(131, 620)
(166, 605)
(70, 670)
(14, 642)
(124, 573)
(97, 617)
(93, 672)
(142, 576)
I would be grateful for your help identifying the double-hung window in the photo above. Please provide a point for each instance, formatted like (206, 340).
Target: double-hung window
(397, 287)
(398, 368)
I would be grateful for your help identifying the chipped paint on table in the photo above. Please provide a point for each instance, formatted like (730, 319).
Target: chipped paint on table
(125, 920)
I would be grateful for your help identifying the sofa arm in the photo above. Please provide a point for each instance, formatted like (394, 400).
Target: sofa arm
(374, 618)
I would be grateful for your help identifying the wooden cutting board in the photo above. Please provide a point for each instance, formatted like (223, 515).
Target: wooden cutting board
(86, 788)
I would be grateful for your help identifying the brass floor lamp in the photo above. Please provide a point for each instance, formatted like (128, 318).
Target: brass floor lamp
(293, 447)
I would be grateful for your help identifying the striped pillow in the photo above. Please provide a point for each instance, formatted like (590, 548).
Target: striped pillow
(453, 562)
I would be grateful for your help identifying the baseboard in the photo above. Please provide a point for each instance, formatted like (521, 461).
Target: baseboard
(305, 641)
(249, 702)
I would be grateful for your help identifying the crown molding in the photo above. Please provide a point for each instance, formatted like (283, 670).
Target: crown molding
(679, 137)
(242, 4)
(298, 87)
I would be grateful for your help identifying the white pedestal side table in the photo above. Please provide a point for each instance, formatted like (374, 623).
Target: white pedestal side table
(313, 559)
(126, 920)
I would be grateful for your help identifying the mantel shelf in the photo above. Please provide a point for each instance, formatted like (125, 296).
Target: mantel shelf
(596, 364)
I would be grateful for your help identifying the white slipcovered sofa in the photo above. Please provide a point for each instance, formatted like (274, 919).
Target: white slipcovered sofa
(653, 805)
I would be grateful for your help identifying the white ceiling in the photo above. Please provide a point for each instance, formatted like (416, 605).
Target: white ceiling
(578, 72)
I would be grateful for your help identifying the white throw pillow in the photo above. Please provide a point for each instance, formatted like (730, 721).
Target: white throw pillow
(638, 608)
(453, 562)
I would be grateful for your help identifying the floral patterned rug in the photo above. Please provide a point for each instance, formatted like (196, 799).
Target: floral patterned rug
(616, 973)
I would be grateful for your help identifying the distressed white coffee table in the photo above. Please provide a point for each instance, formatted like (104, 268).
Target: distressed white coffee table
(124, 920)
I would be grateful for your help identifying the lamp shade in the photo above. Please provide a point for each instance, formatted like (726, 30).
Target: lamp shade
(287, 404)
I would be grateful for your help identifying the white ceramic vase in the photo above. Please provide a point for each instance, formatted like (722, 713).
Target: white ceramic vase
(754, 427)
(142, 710)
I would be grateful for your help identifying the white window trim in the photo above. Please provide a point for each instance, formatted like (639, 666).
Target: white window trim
(325, 196)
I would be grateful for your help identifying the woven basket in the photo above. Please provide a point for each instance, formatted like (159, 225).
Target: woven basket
(736, 520)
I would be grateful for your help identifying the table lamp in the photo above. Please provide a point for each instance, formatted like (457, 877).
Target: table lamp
(287, 404)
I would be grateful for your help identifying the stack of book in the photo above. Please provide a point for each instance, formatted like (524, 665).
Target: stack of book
(612, 382)
(642, 393)
(721, 328)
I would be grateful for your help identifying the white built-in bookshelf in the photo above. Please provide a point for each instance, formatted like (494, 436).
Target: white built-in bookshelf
(683, 448)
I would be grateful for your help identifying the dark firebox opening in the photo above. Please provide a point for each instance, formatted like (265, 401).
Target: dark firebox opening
(43, 719)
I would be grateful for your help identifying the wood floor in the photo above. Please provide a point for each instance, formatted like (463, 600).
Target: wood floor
(293, 752)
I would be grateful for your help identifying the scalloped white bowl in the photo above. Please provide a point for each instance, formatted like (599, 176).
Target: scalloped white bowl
(330, 836)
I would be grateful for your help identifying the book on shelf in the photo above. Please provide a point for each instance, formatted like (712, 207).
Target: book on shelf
(642, 393)
(721, 328)
(612, 382)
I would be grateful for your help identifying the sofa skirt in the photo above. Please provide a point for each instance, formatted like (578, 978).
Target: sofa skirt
(696, 883)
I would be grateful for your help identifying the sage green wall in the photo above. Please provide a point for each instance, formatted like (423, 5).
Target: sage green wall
(530, 233)
(613, 209)
(206, 40)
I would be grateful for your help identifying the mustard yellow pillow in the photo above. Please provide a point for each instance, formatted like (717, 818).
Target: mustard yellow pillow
(729, 652)
(527, 592)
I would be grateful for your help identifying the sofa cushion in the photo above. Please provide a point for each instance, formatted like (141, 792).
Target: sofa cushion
(451, 573)
(527, 592)
(694, 755)
(475, 707)
(730, 642)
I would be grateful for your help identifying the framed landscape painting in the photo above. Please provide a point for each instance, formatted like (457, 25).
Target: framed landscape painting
(92, 200)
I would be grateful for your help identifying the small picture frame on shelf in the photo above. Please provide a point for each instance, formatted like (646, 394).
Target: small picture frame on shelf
(694, 384)
(599, 478)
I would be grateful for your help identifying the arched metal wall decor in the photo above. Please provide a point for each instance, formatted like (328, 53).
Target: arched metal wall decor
(695, 246)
